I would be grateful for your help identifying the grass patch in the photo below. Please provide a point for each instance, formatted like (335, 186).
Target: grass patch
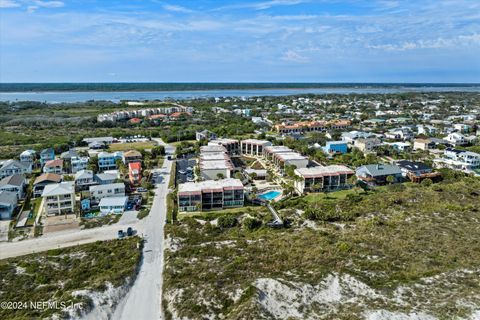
(54, 275)
(336, 195)
(143, 213)
(100, 221)
(132, 146)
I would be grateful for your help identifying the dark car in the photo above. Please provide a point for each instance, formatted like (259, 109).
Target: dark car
(129, 232)
(121, 234)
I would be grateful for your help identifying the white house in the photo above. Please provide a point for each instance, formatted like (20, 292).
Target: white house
(107, 190)
(11, 167)
(59, 198)
(15, 183)
(456, 139)
(114, 205)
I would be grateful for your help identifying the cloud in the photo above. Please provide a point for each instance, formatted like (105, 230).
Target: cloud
(9, 4)
(293, 56)
(263, 5)
(49, 4)
(175, 8)
(439, 43)
(32, 9)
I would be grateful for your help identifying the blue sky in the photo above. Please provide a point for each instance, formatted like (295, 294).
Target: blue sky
(239, 41)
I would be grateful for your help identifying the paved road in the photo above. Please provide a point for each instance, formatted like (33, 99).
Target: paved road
(143, 301)
(63, 239)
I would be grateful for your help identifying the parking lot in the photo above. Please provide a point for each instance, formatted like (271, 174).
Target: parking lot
(185, 169)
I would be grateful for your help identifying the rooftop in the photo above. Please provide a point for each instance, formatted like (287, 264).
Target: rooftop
(15, 180)
(210, 185)
(8, 197)
(118, 185)
(58, 189)
(113, 201)
(323, 171)
(48, 177)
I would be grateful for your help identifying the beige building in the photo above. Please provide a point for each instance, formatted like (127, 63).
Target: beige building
(253, 147)
(422, 144)
(59, 198)
(367, 144)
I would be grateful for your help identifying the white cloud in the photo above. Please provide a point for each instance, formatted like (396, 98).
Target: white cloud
(9, 4)
(49, 4)
(439, 43)
(293, 56)
(175, 8)
(32, 9)
(263, 5)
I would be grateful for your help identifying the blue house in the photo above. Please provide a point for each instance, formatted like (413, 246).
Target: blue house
(333, 147)
(47, 155)
(108, 161)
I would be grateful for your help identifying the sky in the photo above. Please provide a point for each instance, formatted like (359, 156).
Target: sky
(240, 41)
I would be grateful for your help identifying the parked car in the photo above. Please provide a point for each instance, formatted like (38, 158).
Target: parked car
(129, 232)
(120, 234)
(190, 179)
(182, 171)
(129, 206)
(141, 189)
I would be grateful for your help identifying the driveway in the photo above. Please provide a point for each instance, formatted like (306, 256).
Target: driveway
(128, 217)
(4, 224)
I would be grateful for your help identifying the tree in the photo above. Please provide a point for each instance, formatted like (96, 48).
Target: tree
(224, 222)
(68, 177)
(238, 176)
(352, 180)
(220, 176)
(390, 179)
(426, 182)
(251, 223)
(93, 164)
(122, 168)
(157, 151)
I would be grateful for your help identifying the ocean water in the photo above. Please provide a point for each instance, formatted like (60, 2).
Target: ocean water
(116, 96)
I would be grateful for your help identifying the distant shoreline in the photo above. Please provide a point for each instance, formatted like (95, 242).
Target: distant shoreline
(172, 87)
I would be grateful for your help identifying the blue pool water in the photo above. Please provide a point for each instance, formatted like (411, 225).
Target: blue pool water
(270, 195)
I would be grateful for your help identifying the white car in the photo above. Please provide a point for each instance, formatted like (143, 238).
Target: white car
(181, 171)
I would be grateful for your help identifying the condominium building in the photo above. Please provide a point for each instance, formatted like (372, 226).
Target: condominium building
(232, 145)
(210, 195)
(253, 147)
(59, 198)
(310, 126)
(321, 179)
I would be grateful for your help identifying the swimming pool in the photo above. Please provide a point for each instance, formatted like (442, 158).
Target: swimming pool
(270, 195)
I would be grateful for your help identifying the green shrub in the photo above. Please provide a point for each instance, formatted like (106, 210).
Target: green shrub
(226, 222)
(251, 223)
